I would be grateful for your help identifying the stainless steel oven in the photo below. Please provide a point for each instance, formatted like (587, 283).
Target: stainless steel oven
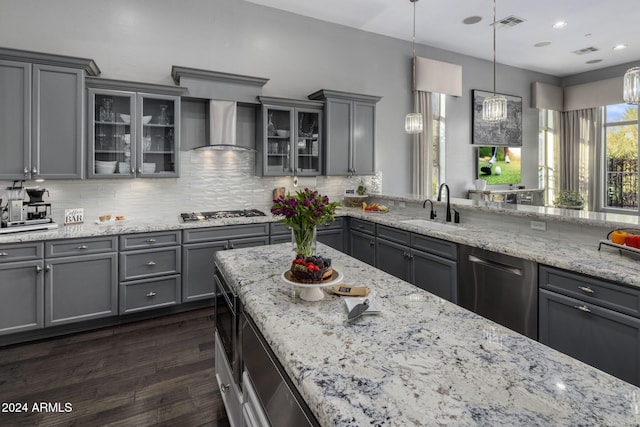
(226, 314)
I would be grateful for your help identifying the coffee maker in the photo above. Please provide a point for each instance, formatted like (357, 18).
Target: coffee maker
(22, 215)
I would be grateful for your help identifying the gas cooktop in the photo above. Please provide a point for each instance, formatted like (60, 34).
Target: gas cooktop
(206, 216)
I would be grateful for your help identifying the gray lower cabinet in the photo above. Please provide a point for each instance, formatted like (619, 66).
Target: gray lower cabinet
(41, 119)
(430, 264)
(198, 250)
(80, 287)
(21, 287)
(363, 247)
(149, 271)
(591, 320)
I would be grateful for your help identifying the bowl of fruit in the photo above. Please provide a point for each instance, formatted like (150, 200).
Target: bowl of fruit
(374, 208)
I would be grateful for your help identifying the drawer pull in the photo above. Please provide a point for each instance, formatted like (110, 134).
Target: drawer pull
(151, 294)
(583, 308)
(151, 240)
(47, 267)
(224, 387)
(38, 269)
(586, 289)
(151, 263)
(83, 247)
(4, 254)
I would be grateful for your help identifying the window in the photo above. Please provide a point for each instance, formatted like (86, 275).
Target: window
(548, 152)
(438, 123)
(621, 157)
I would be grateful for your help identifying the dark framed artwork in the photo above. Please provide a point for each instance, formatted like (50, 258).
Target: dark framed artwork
(508, 132)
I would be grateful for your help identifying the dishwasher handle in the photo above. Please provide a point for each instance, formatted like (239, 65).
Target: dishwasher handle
(496, 265)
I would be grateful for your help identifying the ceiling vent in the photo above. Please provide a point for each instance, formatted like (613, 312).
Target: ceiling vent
(586, 50)
(509, 21)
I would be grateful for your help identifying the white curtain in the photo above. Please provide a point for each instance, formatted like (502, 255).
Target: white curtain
(580, 154)
(423, 147)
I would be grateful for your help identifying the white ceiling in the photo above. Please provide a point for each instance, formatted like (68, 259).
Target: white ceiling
(591, 23)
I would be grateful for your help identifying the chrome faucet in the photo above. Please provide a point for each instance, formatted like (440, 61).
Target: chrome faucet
(448, 219)
(432, 214)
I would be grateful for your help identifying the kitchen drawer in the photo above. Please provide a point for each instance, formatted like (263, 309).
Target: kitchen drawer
(434, 246)
(69, 247)
(362, 226)
(149, 240)
(606, 294)
(10, 252)
(394, 234)
(149, 294)
(149, 263)
(195, 235)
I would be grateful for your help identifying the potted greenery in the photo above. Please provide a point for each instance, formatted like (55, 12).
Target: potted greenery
(569, 200)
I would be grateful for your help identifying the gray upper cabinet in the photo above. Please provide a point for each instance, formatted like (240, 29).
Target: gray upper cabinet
(134, 129)
(350, 132)
(41, 115)
(290, 137)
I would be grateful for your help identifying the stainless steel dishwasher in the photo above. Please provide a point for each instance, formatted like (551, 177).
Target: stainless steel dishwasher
(499, 287)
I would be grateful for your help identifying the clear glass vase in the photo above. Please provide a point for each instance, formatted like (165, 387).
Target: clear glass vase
(304, 240)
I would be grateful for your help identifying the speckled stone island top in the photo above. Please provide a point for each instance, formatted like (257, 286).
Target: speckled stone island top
(421, 361)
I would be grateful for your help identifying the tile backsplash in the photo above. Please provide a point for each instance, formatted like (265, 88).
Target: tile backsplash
(210, 180)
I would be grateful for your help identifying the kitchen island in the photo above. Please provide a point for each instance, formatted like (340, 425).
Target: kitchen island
(420, 361)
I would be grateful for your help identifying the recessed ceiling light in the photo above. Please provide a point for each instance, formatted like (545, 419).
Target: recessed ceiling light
(620, 47)
(472, 20)
(593, 61)
(560, 24)
(542, 44)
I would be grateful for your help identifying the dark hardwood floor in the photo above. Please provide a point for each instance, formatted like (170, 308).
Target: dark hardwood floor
(152, 372)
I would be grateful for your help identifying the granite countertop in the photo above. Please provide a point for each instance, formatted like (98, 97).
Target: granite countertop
(420, 361)
(606, 264)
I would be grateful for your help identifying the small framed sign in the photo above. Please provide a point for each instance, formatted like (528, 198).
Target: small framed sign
(73, 216)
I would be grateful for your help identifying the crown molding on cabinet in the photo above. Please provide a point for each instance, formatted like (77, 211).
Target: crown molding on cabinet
(100, 83)
(88, 65)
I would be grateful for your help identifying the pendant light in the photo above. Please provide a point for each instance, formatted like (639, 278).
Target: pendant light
(413, 121)
(494, 108)
(631, 91)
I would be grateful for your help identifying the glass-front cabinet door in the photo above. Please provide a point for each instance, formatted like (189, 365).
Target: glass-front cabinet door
(111, 134)
(278, 154)
(292, 138)
(133, 134)
(159, 120)
(308, 142)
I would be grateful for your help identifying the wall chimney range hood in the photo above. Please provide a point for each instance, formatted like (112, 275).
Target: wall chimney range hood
(224, 92)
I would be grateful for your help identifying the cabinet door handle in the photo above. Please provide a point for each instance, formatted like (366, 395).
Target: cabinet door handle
(38, 269)
(83, 247)
(47, 267)
(151, 294)
(4, 254)
(582, 308)
(139, 170)
(151, 263)
(25, 171)
(372, 243)
(151, 240)
(231, 246)
(225, 388)
(586, 289)
(34, 171)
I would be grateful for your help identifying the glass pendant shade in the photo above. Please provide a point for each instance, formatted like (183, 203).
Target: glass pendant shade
(413, 123)
(494, 109)
(631, 91)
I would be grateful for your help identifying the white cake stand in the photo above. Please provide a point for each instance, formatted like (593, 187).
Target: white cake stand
(312, 291)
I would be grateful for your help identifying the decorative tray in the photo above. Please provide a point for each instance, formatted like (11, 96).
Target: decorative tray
(623, 248)
(336, 277)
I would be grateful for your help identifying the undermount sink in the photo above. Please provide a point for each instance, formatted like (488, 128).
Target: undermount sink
(433, 225)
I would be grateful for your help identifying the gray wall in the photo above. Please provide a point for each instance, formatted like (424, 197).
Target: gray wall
(140, 40)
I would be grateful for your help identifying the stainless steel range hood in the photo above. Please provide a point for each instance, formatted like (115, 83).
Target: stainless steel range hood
(222, 126)
(224, 93)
